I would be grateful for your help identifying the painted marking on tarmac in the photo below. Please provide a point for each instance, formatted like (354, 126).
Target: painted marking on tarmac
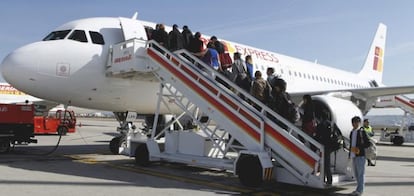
(91, 161)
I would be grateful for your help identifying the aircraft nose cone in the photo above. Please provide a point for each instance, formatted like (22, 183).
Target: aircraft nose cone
(18, 68)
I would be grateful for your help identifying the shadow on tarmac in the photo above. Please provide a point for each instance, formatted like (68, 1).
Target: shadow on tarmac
(120, 171)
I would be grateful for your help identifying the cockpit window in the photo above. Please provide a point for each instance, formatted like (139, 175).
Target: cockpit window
(56, 35)
(97, 38)
(78, 35)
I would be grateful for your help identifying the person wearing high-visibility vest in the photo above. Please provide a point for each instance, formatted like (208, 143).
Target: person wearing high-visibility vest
(370, 133)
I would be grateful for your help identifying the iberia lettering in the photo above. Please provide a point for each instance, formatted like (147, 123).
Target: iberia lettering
(258, 54)
(123, 59)
(7, 89)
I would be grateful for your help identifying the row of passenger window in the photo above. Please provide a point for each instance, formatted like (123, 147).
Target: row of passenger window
(315, 77)
(322, 79)
(77, 35)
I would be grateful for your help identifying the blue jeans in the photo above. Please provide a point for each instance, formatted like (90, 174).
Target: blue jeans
(359, 171)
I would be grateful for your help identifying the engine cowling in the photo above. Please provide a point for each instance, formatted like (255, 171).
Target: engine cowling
(341, 111)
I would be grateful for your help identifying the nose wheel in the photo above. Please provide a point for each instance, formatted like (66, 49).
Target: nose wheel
(114, 144)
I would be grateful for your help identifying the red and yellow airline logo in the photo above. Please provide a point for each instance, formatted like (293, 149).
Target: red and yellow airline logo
(9, 90)
(379, 55)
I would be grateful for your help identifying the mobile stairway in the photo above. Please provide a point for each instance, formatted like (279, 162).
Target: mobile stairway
(253, 142)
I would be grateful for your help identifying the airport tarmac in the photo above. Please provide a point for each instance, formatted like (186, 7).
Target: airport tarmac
(83, 165)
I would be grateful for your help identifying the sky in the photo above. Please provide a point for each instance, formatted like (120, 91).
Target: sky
(332, 32)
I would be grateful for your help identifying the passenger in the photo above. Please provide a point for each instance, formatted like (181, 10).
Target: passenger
(270, 75)
(259, 88)
(161, 36)
(370, 133)
(176, 39)
(225, 58)
(187, 36)
(308, 117)
(214, 43)
(240, 74)
(210, 57)
(358, 142)
(249, 65)
(281, 102)
(155, 33)
(323, 135)
(196, 44)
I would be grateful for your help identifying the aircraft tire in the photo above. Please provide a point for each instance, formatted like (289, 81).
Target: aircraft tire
(114, 145)
(142, 155)
(398, 140)
(4, 146)
(249, 170)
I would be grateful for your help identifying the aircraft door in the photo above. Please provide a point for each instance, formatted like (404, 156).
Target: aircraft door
(132, 28)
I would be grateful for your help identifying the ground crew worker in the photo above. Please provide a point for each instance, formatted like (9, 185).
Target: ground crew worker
(370, 133)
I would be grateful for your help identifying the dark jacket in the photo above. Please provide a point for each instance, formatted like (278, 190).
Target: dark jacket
(176, 40)
(361, 143)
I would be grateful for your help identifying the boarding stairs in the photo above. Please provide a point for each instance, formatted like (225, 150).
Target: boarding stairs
(407, 105)
(259, 131)
(400, 101)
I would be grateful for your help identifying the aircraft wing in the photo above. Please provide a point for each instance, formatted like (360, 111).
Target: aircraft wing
(366, 93)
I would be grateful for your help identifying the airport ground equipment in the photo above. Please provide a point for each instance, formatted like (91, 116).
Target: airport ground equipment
(61, 122)
(403, 134)
(253, 142)
(16, 125)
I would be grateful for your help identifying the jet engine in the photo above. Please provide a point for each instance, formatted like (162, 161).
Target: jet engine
(340, 111)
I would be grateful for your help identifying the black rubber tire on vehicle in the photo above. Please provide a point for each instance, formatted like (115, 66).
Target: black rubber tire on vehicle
(249, 170)
(142, 155)
(398, 140)
(114, 145)
(4, 146)
(62, 130)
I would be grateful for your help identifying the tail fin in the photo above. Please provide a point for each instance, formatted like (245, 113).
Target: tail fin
(373, 67)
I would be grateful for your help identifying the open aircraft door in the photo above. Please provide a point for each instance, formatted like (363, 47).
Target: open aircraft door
(132, 29)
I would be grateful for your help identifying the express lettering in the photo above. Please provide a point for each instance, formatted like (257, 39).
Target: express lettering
(258, 54)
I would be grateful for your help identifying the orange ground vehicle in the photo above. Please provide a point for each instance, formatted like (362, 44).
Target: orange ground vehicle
(63, 122)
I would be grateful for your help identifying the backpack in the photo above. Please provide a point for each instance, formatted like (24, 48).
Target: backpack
(371, 151)
(292, 110)
(334, 139)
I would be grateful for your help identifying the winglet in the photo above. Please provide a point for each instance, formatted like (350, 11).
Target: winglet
(373, 67)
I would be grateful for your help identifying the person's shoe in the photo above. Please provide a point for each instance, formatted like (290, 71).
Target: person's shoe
(356, 193)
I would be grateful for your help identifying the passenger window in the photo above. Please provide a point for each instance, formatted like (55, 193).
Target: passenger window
(56, 35)
(78, 35)
(97, 38)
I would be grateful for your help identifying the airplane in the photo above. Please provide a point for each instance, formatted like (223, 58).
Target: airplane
(70, 66)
